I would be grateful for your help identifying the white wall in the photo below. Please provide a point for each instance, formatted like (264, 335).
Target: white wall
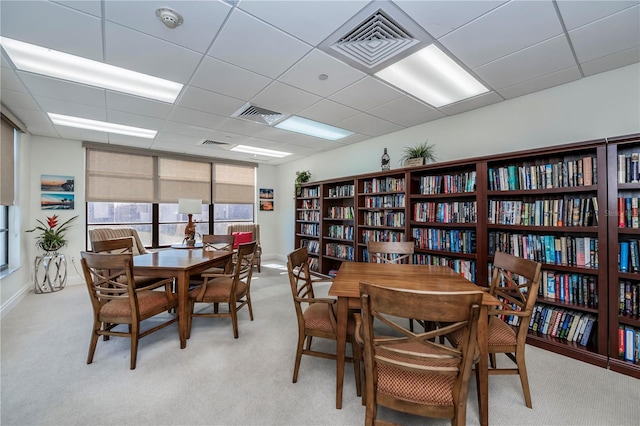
(603, 105)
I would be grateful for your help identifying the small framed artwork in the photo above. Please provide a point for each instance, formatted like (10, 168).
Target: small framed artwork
(55, 183)
(57, 201)
(266, 205)
(266, 193)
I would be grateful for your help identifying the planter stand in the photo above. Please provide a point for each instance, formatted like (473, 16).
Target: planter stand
(50, 273)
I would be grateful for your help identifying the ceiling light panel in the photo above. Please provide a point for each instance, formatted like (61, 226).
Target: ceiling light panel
(259, 151)
(101, 126)
(52, 63)
(431, 75)
(313, 128)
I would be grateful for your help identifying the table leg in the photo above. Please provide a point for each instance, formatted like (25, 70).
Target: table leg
(483, 367)
(343, 312)
(183, 307)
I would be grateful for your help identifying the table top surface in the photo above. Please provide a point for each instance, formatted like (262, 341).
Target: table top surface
(184, 246)
(178, 259)
(410, 277)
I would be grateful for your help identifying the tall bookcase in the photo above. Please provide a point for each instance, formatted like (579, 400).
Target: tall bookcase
(557, 205)
(624, 266)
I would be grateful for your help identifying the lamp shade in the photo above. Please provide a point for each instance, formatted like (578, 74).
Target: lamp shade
(189, 206)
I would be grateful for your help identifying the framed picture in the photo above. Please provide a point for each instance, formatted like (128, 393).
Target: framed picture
(55, 183)
(266, 205)
(266, 193)
(57, 201)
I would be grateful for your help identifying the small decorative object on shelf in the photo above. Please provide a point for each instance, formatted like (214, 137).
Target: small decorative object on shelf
(302, 177)
(385, 162)
(418, 155)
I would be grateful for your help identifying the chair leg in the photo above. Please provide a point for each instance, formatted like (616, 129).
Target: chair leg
(356, 366)
(234, 318)
(524, 379)
(192, 305)
(296, 366)
(134, 344)
(492, 360)
(411, 325)
(94, 342)
(248, 297)
(215, 308)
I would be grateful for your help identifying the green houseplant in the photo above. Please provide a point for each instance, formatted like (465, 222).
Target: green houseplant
(422, 150)
(52, 236)
(302, 176)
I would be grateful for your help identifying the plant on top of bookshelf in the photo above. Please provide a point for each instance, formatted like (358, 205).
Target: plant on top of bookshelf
(302, 176)
(422, 151)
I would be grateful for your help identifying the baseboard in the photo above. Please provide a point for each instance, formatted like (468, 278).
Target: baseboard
(14, 300)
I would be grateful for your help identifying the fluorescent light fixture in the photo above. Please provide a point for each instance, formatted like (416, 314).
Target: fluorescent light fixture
(101, 126)
(431, 75)
(40, 60)
(313, 128)
(259, 151)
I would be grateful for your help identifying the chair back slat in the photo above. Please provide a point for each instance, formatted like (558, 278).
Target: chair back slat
(390, 252)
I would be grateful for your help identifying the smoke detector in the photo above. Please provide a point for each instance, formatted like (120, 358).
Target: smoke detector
(169, 17)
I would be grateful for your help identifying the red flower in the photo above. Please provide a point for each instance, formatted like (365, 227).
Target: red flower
(52, 221)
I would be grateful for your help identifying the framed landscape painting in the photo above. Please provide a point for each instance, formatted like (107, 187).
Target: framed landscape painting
(266, 193)
(266, 205)
(57, 201)
(55, 183)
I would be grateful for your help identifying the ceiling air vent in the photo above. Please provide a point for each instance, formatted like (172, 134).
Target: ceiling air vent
(258, 115)
(375, 40)
(210, 142)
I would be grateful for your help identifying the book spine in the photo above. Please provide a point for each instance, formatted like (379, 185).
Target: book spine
(624, 256)
(621, 169)
(629, 341)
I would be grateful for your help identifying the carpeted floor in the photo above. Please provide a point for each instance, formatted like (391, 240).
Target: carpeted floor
(220, 380)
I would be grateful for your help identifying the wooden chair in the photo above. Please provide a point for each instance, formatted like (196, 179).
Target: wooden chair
(254, 228)
(212, 242)
(101, 234)
(120, 246)
(411, 372)
(515, 282)
(390, 252)
(233, 289)
(316, 316)
(115, 302)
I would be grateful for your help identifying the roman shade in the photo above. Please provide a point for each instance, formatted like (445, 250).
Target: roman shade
(233, 184)
(7, 138)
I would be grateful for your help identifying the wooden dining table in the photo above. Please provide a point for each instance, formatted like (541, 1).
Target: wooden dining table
(181, 264)
(346, 287)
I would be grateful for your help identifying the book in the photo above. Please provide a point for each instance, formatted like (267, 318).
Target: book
(587, 331)
(624, 256)
(621, 215)
(629, 343)
(634, 212)
(622, 171)
(594, 202)
(634, 167)
(587, 171)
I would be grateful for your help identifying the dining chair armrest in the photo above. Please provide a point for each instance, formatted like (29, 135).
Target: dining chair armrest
(495, 311)
(317, 276)
(358, 333)
(214, 275)
(311, 300)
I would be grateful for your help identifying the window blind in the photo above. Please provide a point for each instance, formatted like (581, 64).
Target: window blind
(183, 179)
(7, 138)
(119, 177)
(233, 184)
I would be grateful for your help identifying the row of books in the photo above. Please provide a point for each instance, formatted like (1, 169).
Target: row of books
(580, 252)
(562, 174)
(341, 251)
(628, 212)
(342, 191)
(453, 240)
(340, 231)
(628, 168)
(565, 324)
(629, 344)
(448, 184)
(382, 201)
(340, 212)
(311, 229)
(548, 212)
(629, 300)
(311, 215)
(313, 246)
(454, 212)
(387, 184)
(465, 267)
(569, 288)
(388, 218)
(310, 192)
(310, 204)
(629, 256)
(382, 235)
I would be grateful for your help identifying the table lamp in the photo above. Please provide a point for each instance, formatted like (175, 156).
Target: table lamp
(190, 207)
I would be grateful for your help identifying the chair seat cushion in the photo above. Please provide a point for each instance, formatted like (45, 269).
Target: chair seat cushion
(241, 238)
(501, 333)
(317, 317)
(413, 386)
(148, 301)
(219, 290)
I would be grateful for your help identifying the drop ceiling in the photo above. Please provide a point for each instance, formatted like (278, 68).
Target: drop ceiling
(270, 54)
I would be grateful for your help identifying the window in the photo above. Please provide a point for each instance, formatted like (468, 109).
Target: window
(227, 214)
(134, 215)
(171, 224)
(4, 237)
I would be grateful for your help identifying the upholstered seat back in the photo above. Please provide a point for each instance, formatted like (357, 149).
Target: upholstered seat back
(101, 234)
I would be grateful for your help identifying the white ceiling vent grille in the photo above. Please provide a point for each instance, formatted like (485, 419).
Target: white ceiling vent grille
(258, 115)
(212, 142)
(375, 40)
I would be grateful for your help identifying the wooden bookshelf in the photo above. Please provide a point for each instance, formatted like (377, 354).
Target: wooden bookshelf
(338, 224)
(624, 274)
(308, 224)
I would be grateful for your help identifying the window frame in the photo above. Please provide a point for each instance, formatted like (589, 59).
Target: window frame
(4, 236)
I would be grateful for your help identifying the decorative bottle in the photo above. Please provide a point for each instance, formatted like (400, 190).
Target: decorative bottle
(385, 161)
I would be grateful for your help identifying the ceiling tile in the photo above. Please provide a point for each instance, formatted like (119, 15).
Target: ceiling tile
(400, 109)
(366, 94)
(171, 139)
(185, 130)
(92, 7)
(47, 24)
(442, 17)
(544, 82)
(9, 80)
(304, 74)
(369, 125)
(227, 79)
(202, 20)
(578, 13)
(329, 112)
(610, 62)
(125, 140)
(37, 122)
(256, 46)
(504, 30)
(18, 99)
(283, 98)
(210, 102)
(135, 120)
(149, 55)
(473, 103)
(241, 127)
(73, 109)
(82, 134)
(136, 105)
(543, 58)
(420, 119)
(63, 90)
(617, 32)
(196, 118)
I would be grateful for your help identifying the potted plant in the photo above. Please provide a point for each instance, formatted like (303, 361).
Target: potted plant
(302, 177)
(422, 151)
(52, 236)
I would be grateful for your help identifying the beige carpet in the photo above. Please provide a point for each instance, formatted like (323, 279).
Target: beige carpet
(247, 381)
